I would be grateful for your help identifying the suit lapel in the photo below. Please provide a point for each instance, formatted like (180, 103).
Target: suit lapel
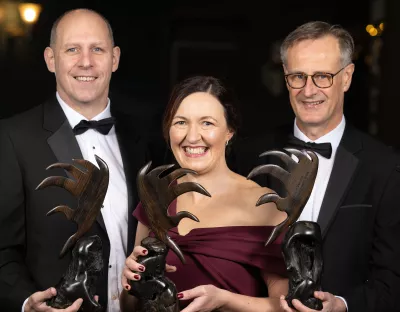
(344, 167)
(64, 145)
(62, 142)
(133, 157)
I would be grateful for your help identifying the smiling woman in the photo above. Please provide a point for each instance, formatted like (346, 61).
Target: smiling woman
(229, 266)
(201, 125)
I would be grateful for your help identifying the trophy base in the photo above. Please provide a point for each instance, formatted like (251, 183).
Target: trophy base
(154, 291)
(79, 281)
(312, 302)
(302, 250)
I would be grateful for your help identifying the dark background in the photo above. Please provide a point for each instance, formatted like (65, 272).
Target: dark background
(165, 41)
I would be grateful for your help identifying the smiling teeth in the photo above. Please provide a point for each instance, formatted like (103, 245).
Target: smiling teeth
(85, 78)
(196, 150)
(313, 103)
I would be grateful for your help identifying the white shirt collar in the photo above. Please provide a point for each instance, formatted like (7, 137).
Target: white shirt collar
(74, 117)
(332, 137)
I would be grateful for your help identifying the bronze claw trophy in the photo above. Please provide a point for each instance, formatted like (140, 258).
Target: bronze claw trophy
(90, 185)
(302, 243)
(154, 291)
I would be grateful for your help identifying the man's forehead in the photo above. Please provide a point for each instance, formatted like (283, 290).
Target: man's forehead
(313, 55)
(76, 22)
(327, 45)
(79, 35)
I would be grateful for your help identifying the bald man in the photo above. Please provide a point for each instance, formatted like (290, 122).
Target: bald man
(82, 55)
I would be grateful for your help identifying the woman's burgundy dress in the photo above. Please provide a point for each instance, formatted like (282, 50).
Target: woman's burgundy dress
(229, 257)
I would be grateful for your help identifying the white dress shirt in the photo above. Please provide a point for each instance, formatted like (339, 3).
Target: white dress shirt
(313, 206)
(115, 209)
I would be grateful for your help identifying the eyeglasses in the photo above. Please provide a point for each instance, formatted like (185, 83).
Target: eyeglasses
(321, 79)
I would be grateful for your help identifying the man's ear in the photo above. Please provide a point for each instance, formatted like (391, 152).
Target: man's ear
(285, 71)
(347, 76)
(49, 59)
(116, 57)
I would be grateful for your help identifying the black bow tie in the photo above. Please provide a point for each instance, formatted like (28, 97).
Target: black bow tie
(324, 149)
(103, 125)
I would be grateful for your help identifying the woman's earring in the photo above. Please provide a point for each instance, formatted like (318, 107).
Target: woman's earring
(227, 142)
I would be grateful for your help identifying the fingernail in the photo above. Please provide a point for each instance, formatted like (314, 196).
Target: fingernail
(179, 296)
(145, 252)
(141, 268)
(136, 276)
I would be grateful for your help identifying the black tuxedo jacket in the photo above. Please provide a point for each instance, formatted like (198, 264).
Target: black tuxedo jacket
(30, 242)
(359, 216)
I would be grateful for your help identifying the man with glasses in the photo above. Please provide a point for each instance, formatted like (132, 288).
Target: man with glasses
(356, 196)
(321, 80)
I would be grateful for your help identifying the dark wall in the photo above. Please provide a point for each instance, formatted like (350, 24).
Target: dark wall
(389, 103)
(165, 41)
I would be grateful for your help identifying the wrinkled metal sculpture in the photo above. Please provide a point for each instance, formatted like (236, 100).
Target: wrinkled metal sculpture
(79, 281)
(302, 251)
(301, 246)
(298, 180)
(156, 293)
(90, 185)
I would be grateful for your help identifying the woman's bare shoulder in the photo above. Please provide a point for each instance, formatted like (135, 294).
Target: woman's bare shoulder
(250, 190)
(252, 187)
(248, 193)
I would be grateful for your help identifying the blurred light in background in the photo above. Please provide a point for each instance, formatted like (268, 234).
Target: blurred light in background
(16, 21)
(375, 30)
(29, 12)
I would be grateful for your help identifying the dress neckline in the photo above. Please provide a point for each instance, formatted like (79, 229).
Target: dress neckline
(172, 210)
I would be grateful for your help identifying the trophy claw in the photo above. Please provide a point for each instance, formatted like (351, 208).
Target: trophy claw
(156, 172)
(144, 169)
(69, 244)
(183, 214)
(186, 187)
(74, 171)
(91, 188)
(66, 183)
(179, 173)
(298, 180)
(67, 211)
(299, 154)
(102, 164)
(156, 194)
(287, 160)
(174, 247)
(277, 231)
(273, 170)
(268, 198)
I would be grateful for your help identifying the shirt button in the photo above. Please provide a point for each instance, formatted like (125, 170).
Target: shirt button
(114, 297)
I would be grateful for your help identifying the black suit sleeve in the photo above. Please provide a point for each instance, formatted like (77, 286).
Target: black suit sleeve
(382, 289)
(15, 282)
